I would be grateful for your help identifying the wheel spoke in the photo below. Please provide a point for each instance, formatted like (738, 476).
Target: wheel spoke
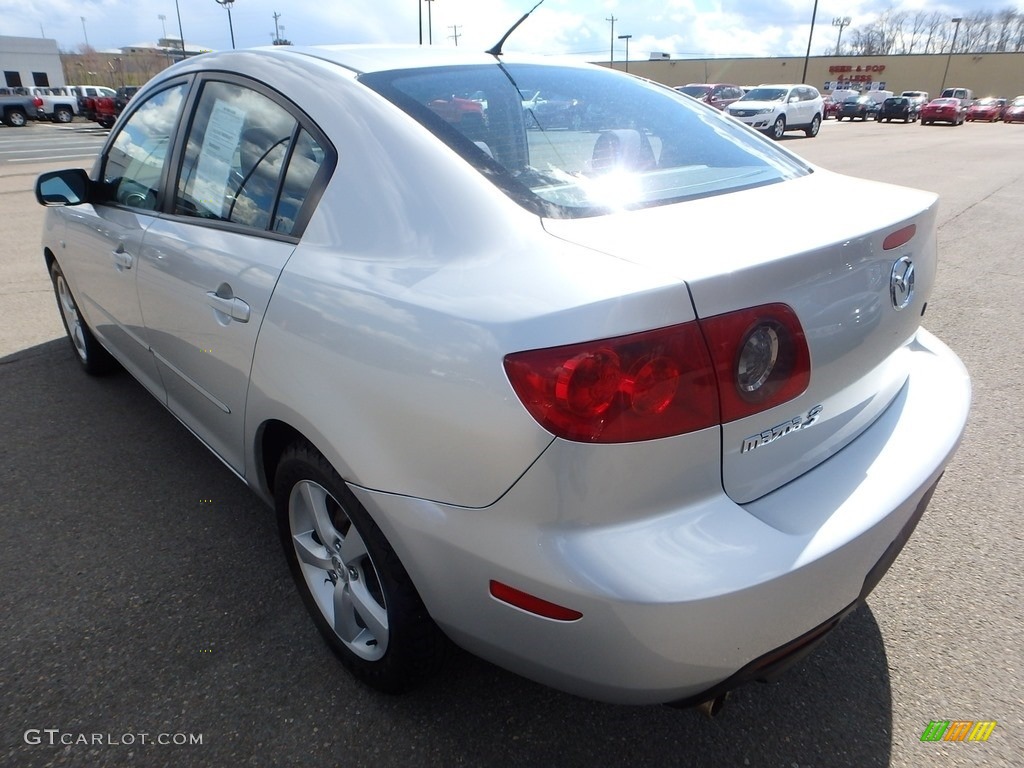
(310, 551)
(353, 548)
(315, 500)
(351, 600)
(373, 614)
(313, 535)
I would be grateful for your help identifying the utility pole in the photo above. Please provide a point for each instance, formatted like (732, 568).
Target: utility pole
(277, 30)
(87, 34)
(810, 36)
(430, 22)
(611, 46)
(455, 33)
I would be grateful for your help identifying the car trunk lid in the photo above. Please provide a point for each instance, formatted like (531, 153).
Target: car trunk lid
(824, 246)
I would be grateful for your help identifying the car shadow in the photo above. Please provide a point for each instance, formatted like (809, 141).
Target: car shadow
(145, 592)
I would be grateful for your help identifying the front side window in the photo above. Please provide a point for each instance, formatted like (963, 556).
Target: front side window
(575, 141)
(134, 165)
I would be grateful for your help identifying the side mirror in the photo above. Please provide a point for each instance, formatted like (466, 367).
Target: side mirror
(67, 187)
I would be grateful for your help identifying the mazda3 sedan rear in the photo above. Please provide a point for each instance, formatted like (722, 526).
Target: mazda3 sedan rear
(510, 386)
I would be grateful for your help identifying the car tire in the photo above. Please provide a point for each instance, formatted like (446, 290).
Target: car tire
(15, 118)
(63, 115)
(812, 130)
(778, 128)
(356, 589)
(95, 360)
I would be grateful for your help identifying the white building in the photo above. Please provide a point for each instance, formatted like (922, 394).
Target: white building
(29, 61)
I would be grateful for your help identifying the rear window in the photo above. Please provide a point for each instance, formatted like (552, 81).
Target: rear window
(697, 91)
(571, 141)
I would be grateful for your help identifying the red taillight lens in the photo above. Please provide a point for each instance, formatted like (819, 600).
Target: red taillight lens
(665, 382)
(37, 102)
(637, 387)
(761, 358)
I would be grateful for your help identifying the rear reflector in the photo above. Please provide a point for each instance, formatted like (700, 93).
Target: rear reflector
(532, 604)
(899, 237)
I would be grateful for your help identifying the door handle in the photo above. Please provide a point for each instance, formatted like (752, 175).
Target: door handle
(122, 259)
(234, 307)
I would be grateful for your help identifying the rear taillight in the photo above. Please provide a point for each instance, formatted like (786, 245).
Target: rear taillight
(637, 387)
(665, 382)
(761, 358)
(37, 102)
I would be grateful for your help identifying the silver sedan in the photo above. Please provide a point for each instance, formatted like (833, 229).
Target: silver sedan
(516, 381)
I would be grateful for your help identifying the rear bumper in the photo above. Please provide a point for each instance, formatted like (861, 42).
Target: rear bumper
(684, 593)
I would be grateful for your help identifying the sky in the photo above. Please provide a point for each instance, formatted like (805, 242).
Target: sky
(579, 28)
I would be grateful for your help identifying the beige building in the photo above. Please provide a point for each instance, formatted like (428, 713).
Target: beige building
(987, 74)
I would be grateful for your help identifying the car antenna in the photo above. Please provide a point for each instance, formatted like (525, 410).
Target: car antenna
(496, 50)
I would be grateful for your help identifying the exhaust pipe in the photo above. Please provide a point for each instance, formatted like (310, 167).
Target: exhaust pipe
(712, 707)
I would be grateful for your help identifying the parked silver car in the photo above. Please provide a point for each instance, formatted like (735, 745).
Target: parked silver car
(513, 387)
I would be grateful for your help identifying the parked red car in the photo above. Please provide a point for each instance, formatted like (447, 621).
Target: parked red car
(830, 107)
(105, 111)
(1014, 112)
(943, 111)
(988, 109)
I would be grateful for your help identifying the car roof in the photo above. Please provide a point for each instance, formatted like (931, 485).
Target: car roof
(381, 58)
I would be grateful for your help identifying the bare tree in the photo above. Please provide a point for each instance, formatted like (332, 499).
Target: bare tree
(1004, 34)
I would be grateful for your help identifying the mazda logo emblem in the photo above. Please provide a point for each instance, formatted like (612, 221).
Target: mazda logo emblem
(901, 283)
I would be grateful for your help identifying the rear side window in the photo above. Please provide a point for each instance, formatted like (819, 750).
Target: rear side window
(246, 161)
(298, 181)
(234, 156)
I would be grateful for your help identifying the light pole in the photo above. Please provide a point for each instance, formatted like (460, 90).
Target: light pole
(430, 22)
(84, 32)
(227, 4)
(181, 34)
(952, 45)
(810, 35)
(841, 22)
(419, 3)
(626, 38)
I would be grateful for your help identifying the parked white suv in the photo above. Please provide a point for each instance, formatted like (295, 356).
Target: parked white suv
(775, 109)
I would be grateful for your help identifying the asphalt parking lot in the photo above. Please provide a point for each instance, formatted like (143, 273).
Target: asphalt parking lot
(144, 591)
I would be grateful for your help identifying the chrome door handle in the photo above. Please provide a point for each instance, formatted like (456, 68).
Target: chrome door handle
(122, 260)
(234, 307)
